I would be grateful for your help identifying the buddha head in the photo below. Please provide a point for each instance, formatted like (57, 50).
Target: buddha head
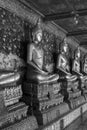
(64, 47)
(37, 32)
(77, 54)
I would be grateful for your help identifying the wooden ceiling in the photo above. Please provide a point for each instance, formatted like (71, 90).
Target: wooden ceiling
(63, 13)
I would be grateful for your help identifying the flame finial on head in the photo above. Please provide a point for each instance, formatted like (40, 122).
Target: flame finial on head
(37, 29)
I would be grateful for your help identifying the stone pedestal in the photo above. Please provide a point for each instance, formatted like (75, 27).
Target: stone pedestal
(72, 93)
(12, 114)
(45, 100)
(28, 123)
(48, 115)
(11, 109)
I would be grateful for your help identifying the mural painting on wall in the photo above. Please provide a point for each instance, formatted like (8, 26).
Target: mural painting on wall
(11, 36)
(12, 41)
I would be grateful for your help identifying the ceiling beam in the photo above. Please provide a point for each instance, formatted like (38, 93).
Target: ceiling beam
(83, 43)
(76, 33)
(63, 15)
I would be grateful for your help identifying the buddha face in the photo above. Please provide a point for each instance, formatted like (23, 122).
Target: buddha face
(77, 56)
(65, 48)
(39, 36)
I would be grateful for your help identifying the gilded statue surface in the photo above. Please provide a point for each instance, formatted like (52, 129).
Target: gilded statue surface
(85, 64)
(76, 61)
(35, 56)
(62, 62)
(84, 69)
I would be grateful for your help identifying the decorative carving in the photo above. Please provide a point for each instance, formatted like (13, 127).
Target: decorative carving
(13, 114)
(51, 114)
(29, 15)
(12, 94)
(10, 62)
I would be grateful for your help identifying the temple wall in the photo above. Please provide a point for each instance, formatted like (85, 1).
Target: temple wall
(14, 27)
(12, 36)
(11, 33)
(15, 20)
(13, 39)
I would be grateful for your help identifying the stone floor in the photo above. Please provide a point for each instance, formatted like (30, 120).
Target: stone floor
(83, 126)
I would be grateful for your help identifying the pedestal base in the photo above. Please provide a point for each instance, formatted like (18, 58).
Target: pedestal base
(12, 114)
(29, 123)
(74, 94)
(46, 104)
(76, 102)
(49, 115)
(11, 93)
(41, 90)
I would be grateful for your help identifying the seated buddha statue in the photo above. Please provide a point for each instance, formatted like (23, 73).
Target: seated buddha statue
(84, 72)
(76, 63)
(63, 64)
(84, 65)
(35, 56)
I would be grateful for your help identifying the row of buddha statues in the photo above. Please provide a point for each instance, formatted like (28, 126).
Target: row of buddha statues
(52, 94)
(45, 92)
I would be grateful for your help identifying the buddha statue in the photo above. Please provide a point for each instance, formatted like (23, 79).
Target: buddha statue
(84, 76)
(35, 56)
(76, 62)
(76, 69)
(84, 65)
(62, 62)
(84, 68)
(63, 65)
(42, 86)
